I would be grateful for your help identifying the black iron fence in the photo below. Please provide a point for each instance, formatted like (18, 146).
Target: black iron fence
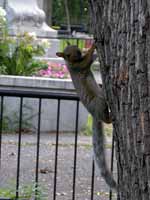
(40, 96)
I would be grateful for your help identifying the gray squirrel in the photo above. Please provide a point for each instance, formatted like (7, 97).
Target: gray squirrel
(92, 97)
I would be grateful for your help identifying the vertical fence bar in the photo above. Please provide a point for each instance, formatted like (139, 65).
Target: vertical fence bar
(19, 147)
(77, 42)
(75, 152)
(112, 163)
(56, 150)
(1, 127)
(38, 148)
(92, 180)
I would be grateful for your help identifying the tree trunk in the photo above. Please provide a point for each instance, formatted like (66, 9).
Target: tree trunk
(122, 34)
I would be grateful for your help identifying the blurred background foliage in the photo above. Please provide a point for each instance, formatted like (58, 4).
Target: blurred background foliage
(78, 12)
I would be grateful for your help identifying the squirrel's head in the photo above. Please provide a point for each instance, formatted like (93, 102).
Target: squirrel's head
(71, 54)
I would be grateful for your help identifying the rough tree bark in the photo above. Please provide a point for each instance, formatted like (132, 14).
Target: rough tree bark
(122, 34)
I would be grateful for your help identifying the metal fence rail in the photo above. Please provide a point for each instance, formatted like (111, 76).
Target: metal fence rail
(40, 96)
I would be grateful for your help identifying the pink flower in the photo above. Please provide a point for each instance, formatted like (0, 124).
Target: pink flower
(55, 70)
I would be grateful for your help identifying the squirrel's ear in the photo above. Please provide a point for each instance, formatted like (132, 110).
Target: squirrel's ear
(60, 54)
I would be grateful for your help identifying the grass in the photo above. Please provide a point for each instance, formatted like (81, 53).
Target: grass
(26, 192)
(106, 194)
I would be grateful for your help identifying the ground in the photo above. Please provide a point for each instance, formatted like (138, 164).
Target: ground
(46, 165)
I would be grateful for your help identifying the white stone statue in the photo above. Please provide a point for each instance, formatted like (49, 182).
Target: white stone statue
(25, 15)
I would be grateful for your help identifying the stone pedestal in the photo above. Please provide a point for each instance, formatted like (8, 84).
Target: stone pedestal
(28, 16)
(25, 15)
(1, 3)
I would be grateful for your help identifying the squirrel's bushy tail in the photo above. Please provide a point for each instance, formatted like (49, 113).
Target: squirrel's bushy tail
(99, 153)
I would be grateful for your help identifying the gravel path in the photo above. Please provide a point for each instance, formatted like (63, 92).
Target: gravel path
(46, 165)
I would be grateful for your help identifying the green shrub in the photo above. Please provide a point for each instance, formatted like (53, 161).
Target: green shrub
(64, 42)
(17, 55)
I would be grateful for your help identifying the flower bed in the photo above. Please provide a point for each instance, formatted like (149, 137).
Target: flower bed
(54, 70)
